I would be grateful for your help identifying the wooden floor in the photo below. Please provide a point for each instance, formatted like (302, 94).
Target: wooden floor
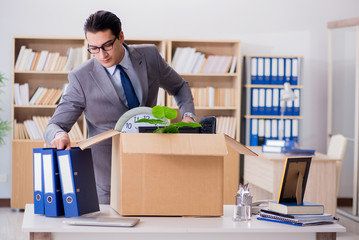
(11, 221)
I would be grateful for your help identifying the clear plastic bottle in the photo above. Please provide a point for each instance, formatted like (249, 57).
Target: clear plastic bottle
(243, 207)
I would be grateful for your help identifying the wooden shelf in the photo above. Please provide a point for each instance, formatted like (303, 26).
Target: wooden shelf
(22, 179)
(272, 117)
(272, 121)
(41, 72)
(270, 86)
(35, 106)
(216, 80)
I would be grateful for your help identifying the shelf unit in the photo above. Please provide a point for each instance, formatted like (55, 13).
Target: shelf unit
(214, 80)
(266, 75)
(22, 162)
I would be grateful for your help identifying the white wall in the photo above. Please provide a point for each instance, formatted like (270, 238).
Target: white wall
(288, 27)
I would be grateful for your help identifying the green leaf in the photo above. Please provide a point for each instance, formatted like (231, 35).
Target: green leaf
(2, 78)
(159, 130)
(4, 125)
(170, 113)
(185, 124)
(171, 129)
(158, 112)
(151, 121)
(163, 112)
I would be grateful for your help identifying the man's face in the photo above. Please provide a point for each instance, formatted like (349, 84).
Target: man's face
(106, 38)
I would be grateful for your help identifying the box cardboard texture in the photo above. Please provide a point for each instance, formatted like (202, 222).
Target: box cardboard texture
(167, 174)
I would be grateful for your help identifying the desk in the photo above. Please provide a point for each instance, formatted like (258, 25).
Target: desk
(168, 228)
(264, 174)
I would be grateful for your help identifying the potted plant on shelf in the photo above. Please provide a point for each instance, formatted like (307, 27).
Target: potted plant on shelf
(4, 125)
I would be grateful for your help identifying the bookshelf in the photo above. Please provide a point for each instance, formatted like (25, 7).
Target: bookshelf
(215, 81)
(206, 84)
(265, 76)
(29, 76)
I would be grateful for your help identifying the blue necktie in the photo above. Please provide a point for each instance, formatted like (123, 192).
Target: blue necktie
(131, 97)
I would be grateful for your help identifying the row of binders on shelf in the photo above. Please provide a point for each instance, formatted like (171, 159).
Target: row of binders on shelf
(33, 129)
(189, 60)
(29, 60)
(210, 97)
(64, 182)
(266, 101)
(42, 95)
(274, 70)
(264, 129)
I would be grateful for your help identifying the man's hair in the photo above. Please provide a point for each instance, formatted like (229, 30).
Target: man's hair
(103, 20)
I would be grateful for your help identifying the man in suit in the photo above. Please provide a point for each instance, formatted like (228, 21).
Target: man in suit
(96, 89)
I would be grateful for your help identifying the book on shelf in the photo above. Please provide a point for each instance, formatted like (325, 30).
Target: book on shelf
(36, 95)
(41, 96)
(233, 65)
(226, 125)
(29, 61)
(272, 149)
(17, 94)
(299, 220)
(299, 151)
(74, 58)
(189, 60)
(217, 64)
(34, 129)
(210, 97)
(35, 61)
(293, 208)
(44, 60)
(46, 96)
(277, 146)
(19, 57)
(25, 58)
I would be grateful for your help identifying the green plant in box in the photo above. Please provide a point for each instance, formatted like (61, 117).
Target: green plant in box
(163, 115)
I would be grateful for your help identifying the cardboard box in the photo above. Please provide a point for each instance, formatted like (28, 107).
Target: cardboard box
(167, 174)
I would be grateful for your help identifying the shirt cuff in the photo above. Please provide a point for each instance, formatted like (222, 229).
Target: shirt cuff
(189, 114)
(58, 132)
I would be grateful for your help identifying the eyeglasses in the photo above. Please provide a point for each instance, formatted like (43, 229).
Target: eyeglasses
(105, 47)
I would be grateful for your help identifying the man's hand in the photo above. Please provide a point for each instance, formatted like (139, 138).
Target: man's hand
(188, 120)
(61, 141)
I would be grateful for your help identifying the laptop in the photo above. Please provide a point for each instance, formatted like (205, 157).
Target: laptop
(104, 222)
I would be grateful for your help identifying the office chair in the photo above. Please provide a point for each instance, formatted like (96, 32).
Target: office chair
(336, 149)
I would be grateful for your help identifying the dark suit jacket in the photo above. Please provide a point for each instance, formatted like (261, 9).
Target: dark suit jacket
(91, 92)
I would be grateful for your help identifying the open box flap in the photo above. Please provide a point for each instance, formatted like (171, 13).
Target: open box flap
(179, 144)
(96, 139)
(240, 148)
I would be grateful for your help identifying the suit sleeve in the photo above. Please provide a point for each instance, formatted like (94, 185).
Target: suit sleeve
(68, 111)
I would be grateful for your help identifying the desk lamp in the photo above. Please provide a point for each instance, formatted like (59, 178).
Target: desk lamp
(286, 95)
